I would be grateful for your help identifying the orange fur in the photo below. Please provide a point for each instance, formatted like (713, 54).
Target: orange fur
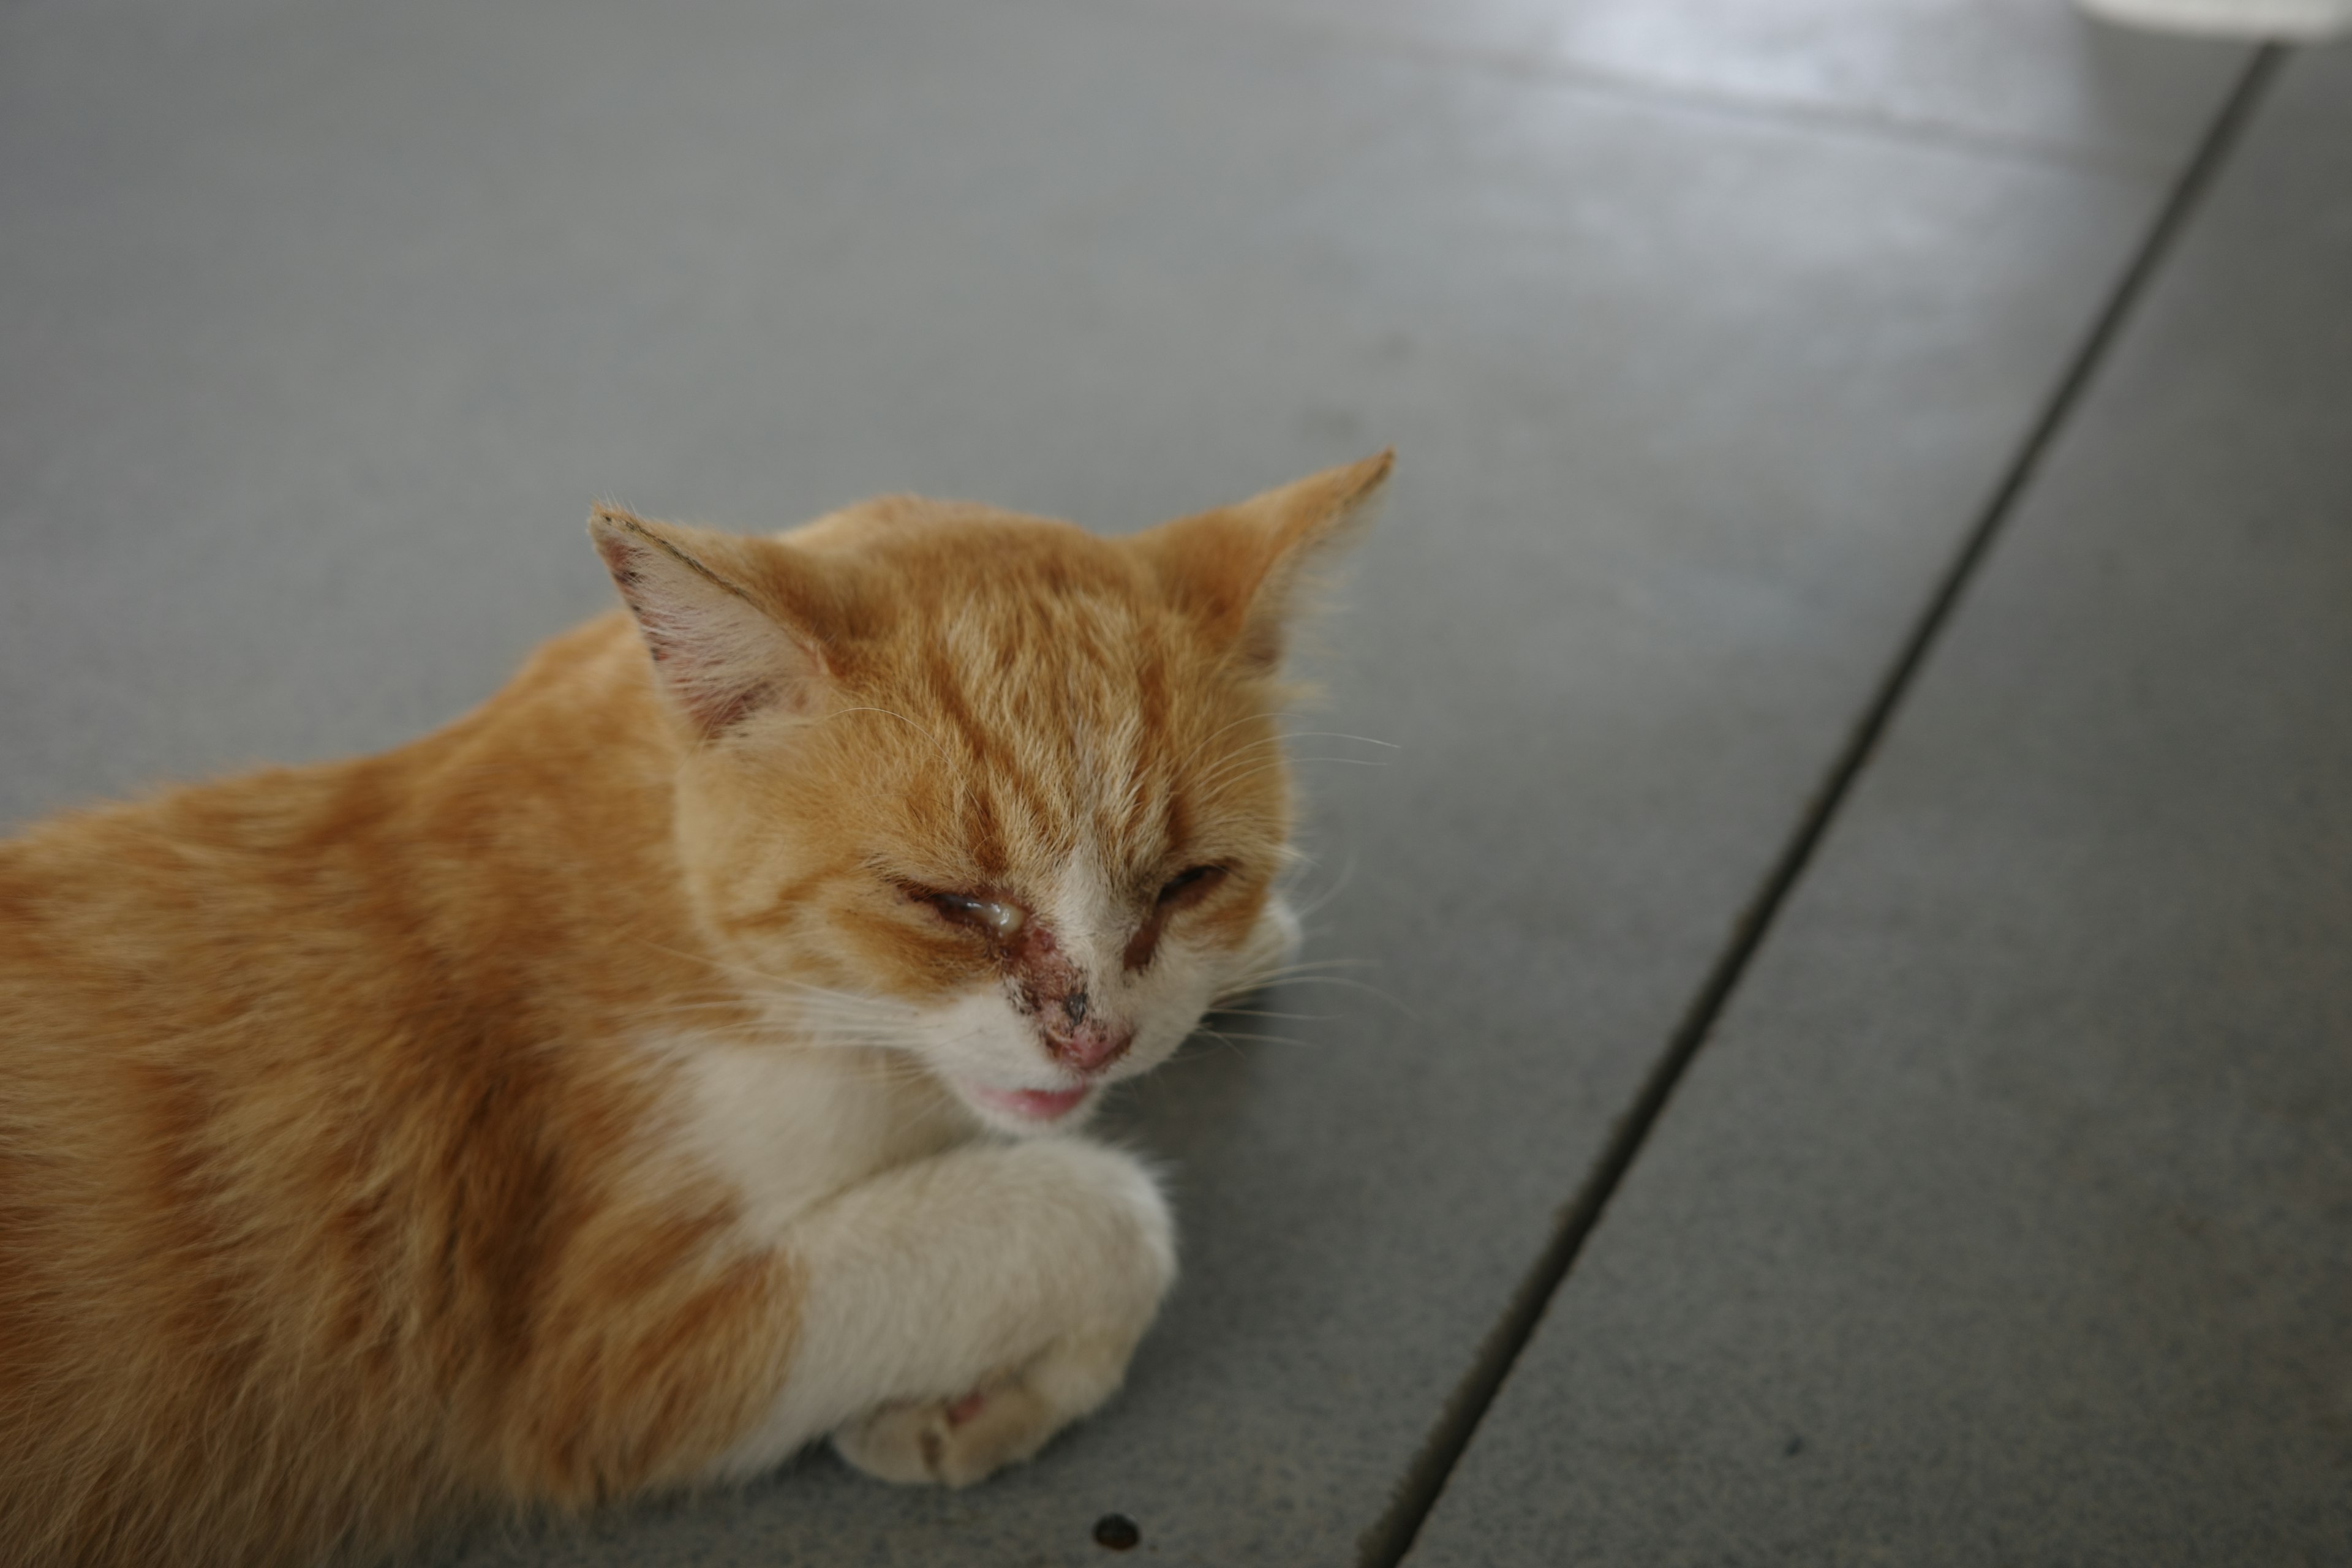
(343, 1195)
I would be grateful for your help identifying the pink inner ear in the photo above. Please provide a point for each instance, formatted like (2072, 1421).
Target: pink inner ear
(719, 657)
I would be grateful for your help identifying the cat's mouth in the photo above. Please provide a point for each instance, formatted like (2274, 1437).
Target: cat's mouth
(1037, 1105)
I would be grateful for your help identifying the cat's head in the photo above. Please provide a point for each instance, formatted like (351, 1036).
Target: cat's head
(982, 787)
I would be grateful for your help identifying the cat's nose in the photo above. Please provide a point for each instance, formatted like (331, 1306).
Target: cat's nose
(1092, 1044)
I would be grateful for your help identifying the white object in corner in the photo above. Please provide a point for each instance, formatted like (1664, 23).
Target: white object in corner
(2297, 19)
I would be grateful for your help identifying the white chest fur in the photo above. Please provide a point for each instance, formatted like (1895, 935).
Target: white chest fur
(789, 1126)
(939, 1269)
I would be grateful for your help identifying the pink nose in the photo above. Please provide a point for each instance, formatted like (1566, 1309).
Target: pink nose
(1089, 1045)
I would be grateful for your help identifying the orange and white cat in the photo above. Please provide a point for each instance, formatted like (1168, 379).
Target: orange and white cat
(673, 1062)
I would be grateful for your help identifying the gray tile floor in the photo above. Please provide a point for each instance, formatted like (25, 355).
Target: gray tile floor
(2002, 1215)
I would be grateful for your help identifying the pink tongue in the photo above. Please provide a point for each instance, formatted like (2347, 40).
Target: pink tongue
(1037, 1104)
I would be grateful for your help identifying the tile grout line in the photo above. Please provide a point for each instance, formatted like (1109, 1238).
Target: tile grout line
(1387, 1543)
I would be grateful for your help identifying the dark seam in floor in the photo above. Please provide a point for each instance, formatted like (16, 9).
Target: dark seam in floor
(1385, 1544)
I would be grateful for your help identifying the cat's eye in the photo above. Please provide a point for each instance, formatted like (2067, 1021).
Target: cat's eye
(1190, 887)
(998, 918)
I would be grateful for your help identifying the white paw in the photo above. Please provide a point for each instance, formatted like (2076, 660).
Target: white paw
(955, 1442)
(1046, 1261)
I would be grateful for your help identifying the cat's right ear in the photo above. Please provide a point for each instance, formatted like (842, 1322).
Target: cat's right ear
(721, 654)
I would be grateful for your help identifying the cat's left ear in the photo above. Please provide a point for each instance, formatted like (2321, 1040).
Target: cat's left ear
(723, 646)
(1239, 568)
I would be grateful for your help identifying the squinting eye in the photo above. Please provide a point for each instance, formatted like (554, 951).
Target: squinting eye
(1187, 886)
(998, 918)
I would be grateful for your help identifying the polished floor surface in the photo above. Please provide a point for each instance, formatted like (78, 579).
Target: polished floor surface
(1845, 1052)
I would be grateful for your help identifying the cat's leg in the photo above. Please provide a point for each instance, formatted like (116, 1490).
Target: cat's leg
(958, 1311)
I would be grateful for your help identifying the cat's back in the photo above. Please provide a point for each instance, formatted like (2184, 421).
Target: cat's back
(147, 1080)
(261, 1041)
(177, 970)
(284, 896)
(273, 951)
(198, 921)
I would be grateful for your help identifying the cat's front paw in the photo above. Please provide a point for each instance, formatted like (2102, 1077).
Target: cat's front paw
(955, 1442)
(950, 1442)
